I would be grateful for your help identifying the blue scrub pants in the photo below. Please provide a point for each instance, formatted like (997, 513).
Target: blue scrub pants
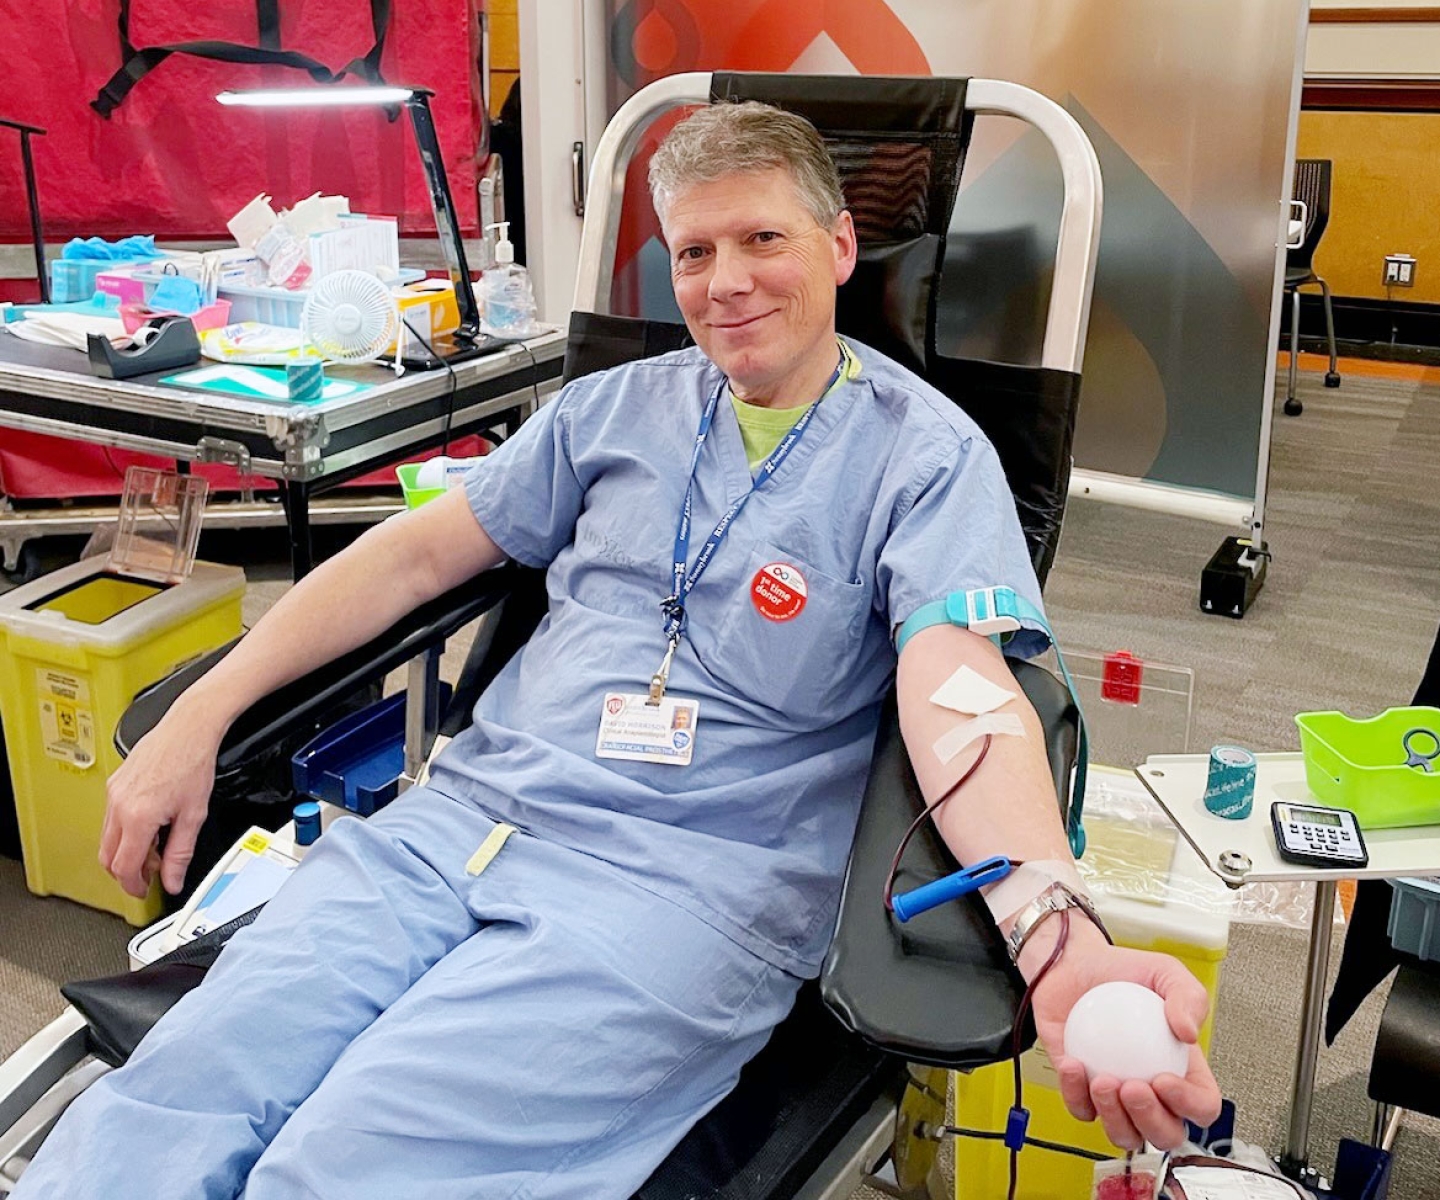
(393, 1026)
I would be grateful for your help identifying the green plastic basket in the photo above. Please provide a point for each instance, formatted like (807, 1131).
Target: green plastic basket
(1360, 765)
(415, 496)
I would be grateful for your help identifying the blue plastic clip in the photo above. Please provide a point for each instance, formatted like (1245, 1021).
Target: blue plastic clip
(1016, 1126)
(942, 891)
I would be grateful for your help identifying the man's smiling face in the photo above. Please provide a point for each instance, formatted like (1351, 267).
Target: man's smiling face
(755, 278)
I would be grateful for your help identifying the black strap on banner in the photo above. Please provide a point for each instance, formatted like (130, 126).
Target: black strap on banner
(137, 63)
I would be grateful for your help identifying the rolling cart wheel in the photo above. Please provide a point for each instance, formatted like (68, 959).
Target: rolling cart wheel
(27, 565)
(1293, 408)
(1332, 379)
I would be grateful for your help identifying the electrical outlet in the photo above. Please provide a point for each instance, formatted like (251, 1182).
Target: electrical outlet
(1399, 271)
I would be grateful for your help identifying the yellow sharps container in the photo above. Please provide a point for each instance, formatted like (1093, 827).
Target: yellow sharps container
(75, 648)
(1158, 870)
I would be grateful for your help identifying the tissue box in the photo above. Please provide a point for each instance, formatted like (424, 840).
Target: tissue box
(429, 308)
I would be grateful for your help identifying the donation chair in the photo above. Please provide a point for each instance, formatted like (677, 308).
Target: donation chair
(828, 1102)
(1312, 197)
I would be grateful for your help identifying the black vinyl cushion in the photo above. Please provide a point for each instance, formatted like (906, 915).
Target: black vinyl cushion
(1405, 1071)
(122, 1009)
(1028, 413)
(772, 1131)
(902, 276)
(939, 989)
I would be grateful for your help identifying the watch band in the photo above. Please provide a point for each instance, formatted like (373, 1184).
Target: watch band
(1053, 899)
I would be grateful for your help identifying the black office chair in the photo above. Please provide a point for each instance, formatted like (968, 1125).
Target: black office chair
(815, 1112)
(1405, 1068)
(1312, 189)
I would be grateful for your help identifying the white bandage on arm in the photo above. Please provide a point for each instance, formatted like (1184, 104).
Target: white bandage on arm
(1027, 881)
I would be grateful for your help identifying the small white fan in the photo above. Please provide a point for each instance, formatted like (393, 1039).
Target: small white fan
(351, 317)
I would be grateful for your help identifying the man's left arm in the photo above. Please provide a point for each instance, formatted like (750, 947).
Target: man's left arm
(1009, 808)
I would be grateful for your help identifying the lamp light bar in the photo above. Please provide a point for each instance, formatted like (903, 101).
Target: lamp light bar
(317, 97)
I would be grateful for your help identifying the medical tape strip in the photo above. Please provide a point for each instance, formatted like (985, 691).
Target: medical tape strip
(1005, 724)
(1026, 882)
(969, 692)
(489, 848)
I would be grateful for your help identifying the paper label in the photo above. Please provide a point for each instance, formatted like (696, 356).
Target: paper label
(1228, 1183)
(632, 729)
(67, 725)
(1037, 1067)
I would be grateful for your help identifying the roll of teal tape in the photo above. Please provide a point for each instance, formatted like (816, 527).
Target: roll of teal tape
(1230, 789)
(305, 378)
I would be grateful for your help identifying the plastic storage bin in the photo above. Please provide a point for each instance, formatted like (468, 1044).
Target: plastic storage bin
(1415, 917)
(415, 496)
(357, 762)
(983, 1098)
(72, 280)
(1360, 765)
(281, 306)
(75, 648)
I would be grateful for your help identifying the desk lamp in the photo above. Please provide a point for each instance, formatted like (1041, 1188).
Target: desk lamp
(466, 341)
(38, 238)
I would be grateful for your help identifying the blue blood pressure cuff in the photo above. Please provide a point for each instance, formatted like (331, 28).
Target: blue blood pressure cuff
(999, 613)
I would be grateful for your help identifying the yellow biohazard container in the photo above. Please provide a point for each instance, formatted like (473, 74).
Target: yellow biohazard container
(75, 648)
(1151, 919)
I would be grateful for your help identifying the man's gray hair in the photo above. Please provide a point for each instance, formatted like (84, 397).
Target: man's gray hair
(726, 138)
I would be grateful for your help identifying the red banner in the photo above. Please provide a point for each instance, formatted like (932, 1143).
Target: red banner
(173, 162)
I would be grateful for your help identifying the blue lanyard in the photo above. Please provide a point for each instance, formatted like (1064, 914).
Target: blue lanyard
(683, 581)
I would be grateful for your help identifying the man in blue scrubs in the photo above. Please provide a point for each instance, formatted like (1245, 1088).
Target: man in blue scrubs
(530, 977)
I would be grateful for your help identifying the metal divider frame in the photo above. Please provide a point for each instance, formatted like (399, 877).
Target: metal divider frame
(1076, 248)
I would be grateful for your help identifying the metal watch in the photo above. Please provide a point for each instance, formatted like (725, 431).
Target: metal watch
(1052, 900)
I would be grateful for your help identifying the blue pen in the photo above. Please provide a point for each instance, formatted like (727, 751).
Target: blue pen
(942, 891)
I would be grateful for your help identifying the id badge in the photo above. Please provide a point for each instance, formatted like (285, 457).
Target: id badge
(631, 728)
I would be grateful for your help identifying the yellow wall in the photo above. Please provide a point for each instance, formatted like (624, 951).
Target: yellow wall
(504, 50)
(1383, 199)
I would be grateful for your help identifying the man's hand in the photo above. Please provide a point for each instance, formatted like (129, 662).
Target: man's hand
(165, 781)
(1131, 1112)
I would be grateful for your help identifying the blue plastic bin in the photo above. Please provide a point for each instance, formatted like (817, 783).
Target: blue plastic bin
(357, 762)
(1415, 917)
(72, 280)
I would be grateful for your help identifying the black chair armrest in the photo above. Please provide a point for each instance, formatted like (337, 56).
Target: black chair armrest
(272, 720)
(939, 989)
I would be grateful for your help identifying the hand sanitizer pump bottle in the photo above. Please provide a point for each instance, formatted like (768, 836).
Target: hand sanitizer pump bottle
(506, 297)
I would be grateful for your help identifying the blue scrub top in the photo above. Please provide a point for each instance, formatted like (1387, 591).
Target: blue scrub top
(893, 498)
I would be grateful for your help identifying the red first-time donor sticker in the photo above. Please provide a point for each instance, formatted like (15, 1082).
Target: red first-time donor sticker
(778, 592)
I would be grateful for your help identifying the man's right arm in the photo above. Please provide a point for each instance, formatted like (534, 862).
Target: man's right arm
(344, 603)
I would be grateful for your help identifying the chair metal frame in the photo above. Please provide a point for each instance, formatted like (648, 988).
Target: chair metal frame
(41, 1078)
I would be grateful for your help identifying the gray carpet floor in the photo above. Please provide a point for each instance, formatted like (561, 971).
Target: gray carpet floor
(1345, 621)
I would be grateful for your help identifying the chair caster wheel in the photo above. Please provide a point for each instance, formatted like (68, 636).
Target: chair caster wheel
(1332, 379)
(27, 566)
(1293, 408)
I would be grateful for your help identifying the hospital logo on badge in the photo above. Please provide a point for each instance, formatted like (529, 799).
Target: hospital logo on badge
(614, 705)
(680, 739)
(778, 592)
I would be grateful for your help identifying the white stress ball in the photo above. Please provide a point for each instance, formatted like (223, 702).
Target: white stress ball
(1119, 1029)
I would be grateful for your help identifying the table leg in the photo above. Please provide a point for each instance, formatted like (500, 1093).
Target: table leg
(1294, 1162)
(297, 521)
